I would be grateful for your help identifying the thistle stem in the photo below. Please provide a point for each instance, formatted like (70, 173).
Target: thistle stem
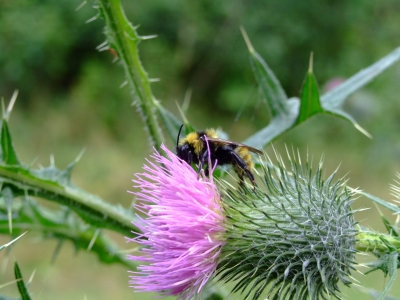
(123, 38)
(368, 241)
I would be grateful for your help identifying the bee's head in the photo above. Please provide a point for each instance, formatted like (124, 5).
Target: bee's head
(188, 148)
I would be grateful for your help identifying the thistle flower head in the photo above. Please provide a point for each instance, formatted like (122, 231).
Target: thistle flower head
(181, 228)
(295, 239)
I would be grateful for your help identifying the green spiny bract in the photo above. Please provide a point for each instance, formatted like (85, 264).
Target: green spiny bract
(296, 240)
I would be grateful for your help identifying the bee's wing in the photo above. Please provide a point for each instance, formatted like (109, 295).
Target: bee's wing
(222, 141)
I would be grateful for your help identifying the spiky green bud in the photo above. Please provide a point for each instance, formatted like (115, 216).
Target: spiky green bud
(295, 239)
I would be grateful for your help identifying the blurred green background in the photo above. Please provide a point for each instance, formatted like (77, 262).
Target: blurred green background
(70, 98)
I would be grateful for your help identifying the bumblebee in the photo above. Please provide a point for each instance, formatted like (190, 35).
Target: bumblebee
(193, 149)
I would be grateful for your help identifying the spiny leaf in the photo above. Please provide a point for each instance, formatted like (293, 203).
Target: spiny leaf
(344, 115)
(92, 209)
(309, 96)
(189, 128)
(380, 264)
(9, 156)
(283, 111)
(268, 83)
(389, 227)
(20, 283)
(384, 203)
(392, 268)
(334, 98)
(54, 184)
(170, 122)
(63, 225)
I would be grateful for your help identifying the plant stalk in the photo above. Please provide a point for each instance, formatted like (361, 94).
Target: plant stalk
(123, 38)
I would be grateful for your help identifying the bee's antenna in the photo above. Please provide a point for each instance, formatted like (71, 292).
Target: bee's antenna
(179, 134)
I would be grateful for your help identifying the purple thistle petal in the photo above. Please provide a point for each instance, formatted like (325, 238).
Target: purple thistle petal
(181, 228)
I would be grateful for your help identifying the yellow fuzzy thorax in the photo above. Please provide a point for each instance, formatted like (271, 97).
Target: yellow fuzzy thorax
(211, 133)
(193, 140)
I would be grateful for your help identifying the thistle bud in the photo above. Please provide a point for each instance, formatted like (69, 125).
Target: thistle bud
(294, 238)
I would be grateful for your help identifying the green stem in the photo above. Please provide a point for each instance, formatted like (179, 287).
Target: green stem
(123, 38)
(368, 241)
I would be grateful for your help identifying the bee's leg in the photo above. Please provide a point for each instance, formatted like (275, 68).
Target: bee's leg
(242, 169)
(241, 179)
(189, 158)
(203, 159)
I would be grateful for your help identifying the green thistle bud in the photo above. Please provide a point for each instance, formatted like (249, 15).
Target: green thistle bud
(295, 240)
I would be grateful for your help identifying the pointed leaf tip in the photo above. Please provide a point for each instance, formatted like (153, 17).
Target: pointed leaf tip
(310, 66)
(9, 156)
(7, 112)
(362, 130)
(310, 103)
(182, 113)
(247, 40)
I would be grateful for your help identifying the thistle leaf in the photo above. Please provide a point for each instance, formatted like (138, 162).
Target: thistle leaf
(63, 225)
(9, 156)
(287, 113)
(389, 227)
(170, 122)
(309, 96)
(334, 98)
(392, 269)
(269, 84)
(53, 185)
(384, 203)
(283, 111)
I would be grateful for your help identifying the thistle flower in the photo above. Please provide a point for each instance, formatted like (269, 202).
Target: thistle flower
(296, 239)
(181, 228)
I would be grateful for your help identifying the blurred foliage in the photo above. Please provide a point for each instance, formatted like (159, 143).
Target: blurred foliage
(47, 52)
(71, 92)
(45, 45)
